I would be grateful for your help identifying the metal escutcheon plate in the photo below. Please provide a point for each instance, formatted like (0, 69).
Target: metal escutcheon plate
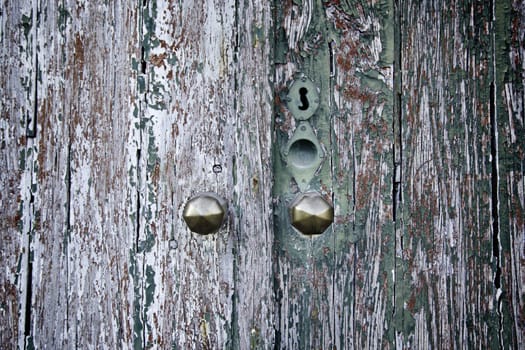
(303, 98)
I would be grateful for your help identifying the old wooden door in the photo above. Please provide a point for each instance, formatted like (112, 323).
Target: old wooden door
(115, 113)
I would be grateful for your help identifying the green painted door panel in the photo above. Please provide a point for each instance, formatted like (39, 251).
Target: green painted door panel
(335, 290)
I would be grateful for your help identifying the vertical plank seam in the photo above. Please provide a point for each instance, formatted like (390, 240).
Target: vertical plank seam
(332, 168)
(397, 208)
(496, 246)
(67, 232)
(277, 291)
(32, 119)
(31, 134)
(68, 222)
(234, 328)
(140, 317)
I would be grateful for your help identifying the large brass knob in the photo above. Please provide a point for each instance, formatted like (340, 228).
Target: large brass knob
(311, 214)
(204, 213)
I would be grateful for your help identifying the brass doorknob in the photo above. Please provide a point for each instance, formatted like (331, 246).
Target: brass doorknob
(311, 214)
(204, 213)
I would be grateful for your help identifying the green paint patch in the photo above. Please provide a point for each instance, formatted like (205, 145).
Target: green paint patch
(26, 23)
(156, 95)
(63, 17)
(258, 35)
(30, 344)
(149, 297)
(172, 59)
(153, 158)
(138, 326)
(135, 64)
(141, 84)
(385, 12)
(22, 159)
(149, 17)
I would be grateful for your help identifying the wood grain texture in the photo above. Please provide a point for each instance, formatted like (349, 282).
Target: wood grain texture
(16, 93)
(252, 175)
(363, 167)
(97, 108)
(447, 262)
(113, 114)
(186, 292)
(205, 126)
(451, 292)
(509, 122)
(336, 290)
(75, 175)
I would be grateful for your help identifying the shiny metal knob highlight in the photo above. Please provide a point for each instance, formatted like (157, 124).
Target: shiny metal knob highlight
(311, 214)
(205, 212)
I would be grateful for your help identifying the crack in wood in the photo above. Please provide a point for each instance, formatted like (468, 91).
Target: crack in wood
(495, 209)
(137, 218)
(235, 341)
(143, 63)
(29, 291)
(332, 59)
(496, 246)
(68, 220)
(397, 153)
(31, 125)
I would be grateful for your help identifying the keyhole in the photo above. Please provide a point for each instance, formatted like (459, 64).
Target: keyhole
(304, 100)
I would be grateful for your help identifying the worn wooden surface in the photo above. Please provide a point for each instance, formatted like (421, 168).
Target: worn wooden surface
(335, 290)
(205, 109)
(114, 113)
(16, 61)
(509, 125)
(460, 248)
(74, 155)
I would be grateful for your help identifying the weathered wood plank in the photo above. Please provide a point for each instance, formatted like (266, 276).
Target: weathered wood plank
(336, 290)
(363, 97)
(450, 286)
(102, 154)
(48, 273)
(509, 130)
(251, 177)
(303, 266)
(17, 83)
(188, 279)
(205, 126)
(81, 218)
(447, 235)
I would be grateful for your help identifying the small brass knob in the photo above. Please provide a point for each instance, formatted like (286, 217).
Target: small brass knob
(204, 213)
(311, 214)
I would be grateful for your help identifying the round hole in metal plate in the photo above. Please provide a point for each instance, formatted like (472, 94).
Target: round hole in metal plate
(302, 153)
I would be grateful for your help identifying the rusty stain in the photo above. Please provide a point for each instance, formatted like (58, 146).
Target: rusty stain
(155, 173)
(157, 60)
(79, 50)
